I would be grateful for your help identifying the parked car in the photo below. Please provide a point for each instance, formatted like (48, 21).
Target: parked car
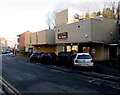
(48, 58)
(115, 62)
(6, 51)
(83, 60)
(36, 56)
(65, 58)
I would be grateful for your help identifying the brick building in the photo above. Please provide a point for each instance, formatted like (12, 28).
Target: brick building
(21, 40)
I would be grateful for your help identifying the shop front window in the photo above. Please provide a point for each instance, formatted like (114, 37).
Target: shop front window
(68, 48)
(86, 49)
(75, 49)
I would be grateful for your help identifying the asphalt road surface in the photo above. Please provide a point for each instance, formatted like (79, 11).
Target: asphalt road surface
(29, 77)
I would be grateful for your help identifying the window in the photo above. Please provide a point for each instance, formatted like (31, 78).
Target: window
(84, 57)
(86, 49)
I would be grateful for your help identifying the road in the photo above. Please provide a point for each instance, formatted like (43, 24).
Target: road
(29, 77)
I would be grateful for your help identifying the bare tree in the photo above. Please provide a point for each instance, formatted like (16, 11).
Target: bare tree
(49, 23)
(50, 20)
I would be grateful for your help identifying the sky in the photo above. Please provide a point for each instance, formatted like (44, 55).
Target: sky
(18, 16)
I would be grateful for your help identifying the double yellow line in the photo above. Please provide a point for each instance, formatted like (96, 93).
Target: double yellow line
(9, 88)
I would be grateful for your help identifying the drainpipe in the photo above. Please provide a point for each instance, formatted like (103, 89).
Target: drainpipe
(91, 40)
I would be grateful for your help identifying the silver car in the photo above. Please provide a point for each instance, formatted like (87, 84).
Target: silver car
(83, 60)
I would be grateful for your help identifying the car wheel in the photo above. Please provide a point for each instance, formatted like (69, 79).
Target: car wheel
(111, 64)
(31, 60)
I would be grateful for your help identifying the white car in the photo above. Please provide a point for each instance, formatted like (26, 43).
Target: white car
(83, 60)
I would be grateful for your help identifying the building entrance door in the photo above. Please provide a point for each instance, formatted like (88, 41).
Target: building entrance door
(112, 52)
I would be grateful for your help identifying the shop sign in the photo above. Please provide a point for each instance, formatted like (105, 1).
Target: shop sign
(63, 35)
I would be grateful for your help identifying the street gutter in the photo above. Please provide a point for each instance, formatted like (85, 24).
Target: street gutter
(96, 75)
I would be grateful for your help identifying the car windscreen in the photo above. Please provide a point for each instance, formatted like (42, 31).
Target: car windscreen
(63, 54)
(83, 57)
(35, 54)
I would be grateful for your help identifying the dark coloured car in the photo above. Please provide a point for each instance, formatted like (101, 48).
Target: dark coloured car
(48, 58)
(115, 62)
(36, 57)
(65, 58)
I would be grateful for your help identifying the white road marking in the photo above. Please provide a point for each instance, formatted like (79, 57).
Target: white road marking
(19, 78)
(93, 81)
(27, 74)
(116, 87)
(57, 70)
(97, 83)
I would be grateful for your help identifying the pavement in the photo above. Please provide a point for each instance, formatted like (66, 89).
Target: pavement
(104, 67)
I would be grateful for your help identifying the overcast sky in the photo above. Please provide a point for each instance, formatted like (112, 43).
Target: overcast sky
(18, 16)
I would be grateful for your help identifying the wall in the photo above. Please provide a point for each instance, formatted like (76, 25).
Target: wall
(47, 48)
(50, 36)
(42, 37)
(104, 30)
(33, 38)
(99, 52)
(0, 46)
(76, 32)
(22, 40)
(67, 16)
(61, 17)
(42, 40)
(59, 48)
(101, 30)
(118, 50)
(106, 52)
(28, 40)
(44, 48)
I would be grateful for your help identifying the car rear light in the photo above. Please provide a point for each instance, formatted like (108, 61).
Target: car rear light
(38, 56)
(56, 58)
(76, 61)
